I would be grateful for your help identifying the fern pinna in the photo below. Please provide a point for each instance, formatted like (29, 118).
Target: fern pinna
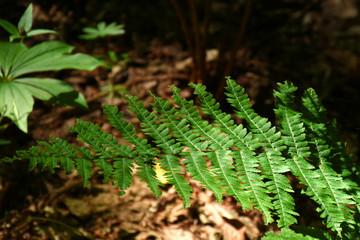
(252, 163)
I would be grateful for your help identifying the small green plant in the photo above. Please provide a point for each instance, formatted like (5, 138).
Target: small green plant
(251, 163)
(23, 29)
(112, 91)
(103, 31)
(110, 58)
(17, 88)
(121, 60)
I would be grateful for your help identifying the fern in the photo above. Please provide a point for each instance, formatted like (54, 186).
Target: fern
(302, 234)
(271, 161)
(169, 160)
(193, 159)
(219, 143)
(251, 163)
(143, 152)
(324, 186)
(246, 162)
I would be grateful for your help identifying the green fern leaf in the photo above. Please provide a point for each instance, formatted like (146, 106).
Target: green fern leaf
(84, 165)
(327, 135)
(315, 119)
(193, 158)
(99, 142)
(321, 184)
(270, 159)
(123, 173)
(57, 149)
(306, 234)
(145, 154)
(168, 161)
(63, 151)
(246, 162)
(218, 142)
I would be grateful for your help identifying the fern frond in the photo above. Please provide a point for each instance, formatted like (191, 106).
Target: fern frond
(302, 234)
(270, 159)
(49, 154)
(68, 154)
(98, 141)
(246, 163)
(193, 158)
(218, 143)
(322, 185)
(168, 161)
(337, 158)
(249, 163)
(341, 191)
(145, 154)
(107, 149)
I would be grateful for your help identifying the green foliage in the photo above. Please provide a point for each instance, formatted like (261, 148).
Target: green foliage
(24, 26)
(303, 234)
(251, 163)
(102, 31)
(16, 60)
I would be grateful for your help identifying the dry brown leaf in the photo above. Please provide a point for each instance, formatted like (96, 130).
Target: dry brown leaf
(103, 202)
(172, 232)
(221, 214)
(231, 233)
(78, 207)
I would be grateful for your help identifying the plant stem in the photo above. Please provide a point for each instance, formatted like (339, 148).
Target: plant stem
(220, 90)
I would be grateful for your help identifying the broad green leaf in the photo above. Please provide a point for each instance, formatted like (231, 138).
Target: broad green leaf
(53, 90)
(16, 102)
(9, 52)
(25, 21)
(9, 27)
(53, 55)
(17, 94)
(39, 32)
(13, 37)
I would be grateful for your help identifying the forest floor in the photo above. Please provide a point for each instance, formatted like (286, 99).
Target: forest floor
(41, 205)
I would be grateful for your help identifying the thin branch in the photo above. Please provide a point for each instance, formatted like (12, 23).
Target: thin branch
(184, 26)
(199, 57)
(220, 90)
(206, 21)
(219, 68)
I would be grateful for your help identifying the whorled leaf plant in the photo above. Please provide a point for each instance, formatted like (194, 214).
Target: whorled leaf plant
(250, 162)
(17, 61)
(102, 30)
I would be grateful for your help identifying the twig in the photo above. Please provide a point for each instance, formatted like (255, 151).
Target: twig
(199, 57)
(185, 28)
(220, 90)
